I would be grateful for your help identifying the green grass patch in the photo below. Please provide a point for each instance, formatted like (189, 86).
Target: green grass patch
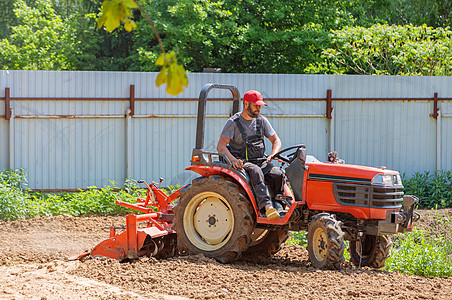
(18, 203)
(298, 238)
(419, 254)
(434, 189)
(14, 202)
(426, 252)
(93, 201)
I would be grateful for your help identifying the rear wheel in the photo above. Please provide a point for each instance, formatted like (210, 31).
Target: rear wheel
(267, 242)
(325, 242)
(370, 251)
(213, 218)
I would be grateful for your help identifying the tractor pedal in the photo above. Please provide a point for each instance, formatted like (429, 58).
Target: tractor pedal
(284, 199)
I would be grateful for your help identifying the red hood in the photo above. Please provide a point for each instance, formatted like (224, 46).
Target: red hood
(352, 171)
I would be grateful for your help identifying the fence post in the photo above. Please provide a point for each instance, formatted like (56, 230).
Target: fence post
(11, 138)
(329, 115)
(128, 143)
(332, 131)
(438, 140)
(329, 108)
(132, 100)
(435, 106)
(7, 104)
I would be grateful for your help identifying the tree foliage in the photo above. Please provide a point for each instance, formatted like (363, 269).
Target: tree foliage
(43, 41)
(7, 17)
(115, 12)
(389, 50)
(240, 36)
(243, 36)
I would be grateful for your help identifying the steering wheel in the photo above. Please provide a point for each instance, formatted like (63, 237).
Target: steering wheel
(289, 157)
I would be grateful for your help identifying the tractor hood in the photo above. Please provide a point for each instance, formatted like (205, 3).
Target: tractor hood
(349, 173)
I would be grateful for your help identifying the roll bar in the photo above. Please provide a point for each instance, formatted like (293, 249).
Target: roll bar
(201, 123)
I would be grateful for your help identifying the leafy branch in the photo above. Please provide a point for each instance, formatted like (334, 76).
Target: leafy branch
(115, 12)
(391, 50)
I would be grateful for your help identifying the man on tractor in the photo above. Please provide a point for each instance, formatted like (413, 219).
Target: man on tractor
(242, 140)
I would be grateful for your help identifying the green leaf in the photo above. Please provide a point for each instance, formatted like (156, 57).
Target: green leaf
(161, 60)
(129, 25)
(161, 77)
(116, 11)
(171, 73)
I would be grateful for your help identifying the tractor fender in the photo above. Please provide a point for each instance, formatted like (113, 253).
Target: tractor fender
(205, 170)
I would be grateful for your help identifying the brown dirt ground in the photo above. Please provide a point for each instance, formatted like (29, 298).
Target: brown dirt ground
(33, 265)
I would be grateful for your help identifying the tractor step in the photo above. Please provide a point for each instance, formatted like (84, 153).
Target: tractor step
(282, 213)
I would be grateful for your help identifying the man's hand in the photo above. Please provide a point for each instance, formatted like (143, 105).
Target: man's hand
(221, 147)
(237, 163)
(276, 146)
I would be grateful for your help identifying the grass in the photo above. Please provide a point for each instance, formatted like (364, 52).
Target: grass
(426, 252)
(94, 201)
(434, 189)
(298, 238)
(420, 254)
(18, 203)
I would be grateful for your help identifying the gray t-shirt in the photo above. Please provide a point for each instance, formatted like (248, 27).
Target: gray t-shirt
(231, 130)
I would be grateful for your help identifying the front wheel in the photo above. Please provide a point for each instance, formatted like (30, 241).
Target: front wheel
(325, 242)
(370, 251)
(213, 218)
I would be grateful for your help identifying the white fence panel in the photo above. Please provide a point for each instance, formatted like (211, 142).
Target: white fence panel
(65, 142)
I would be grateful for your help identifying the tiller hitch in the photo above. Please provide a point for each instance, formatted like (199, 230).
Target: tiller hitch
(157, 239)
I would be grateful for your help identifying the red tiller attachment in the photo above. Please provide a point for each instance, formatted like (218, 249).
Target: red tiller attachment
(157, 239)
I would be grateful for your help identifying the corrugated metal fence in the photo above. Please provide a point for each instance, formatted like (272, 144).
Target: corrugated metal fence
(78, 129)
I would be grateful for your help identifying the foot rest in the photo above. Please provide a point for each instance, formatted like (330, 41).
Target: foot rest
(282, 213)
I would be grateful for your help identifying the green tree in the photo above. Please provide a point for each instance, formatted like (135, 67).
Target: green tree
(388, 50)
(370, 12)
(433, 13)
(7, 17)
(240, 36)
(42, 41)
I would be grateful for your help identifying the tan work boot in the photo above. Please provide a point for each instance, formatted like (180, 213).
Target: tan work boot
(272, 213)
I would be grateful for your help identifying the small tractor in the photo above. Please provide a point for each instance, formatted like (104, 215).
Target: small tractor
(217, 214)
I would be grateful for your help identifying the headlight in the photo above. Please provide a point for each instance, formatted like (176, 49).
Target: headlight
(397, 180)
(383, 179)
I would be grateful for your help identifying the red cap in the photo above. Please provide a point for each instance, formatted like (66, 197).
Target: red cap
(255, 97)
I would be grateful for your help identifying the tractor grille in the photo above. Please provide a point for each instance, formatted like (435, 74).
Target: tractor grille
(368, 196)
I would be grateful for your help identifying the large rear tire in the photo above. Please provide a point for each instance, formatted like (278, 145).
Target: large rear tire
(213, 218)
(371, 251)
(326, 242)
(267, 242)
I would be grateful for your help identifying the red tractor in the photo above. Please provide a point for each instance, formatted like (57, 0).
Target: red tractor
(217, 215)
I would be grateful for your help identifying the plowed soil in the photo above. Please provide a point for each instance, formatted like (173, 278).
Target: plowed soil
(33, 265)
